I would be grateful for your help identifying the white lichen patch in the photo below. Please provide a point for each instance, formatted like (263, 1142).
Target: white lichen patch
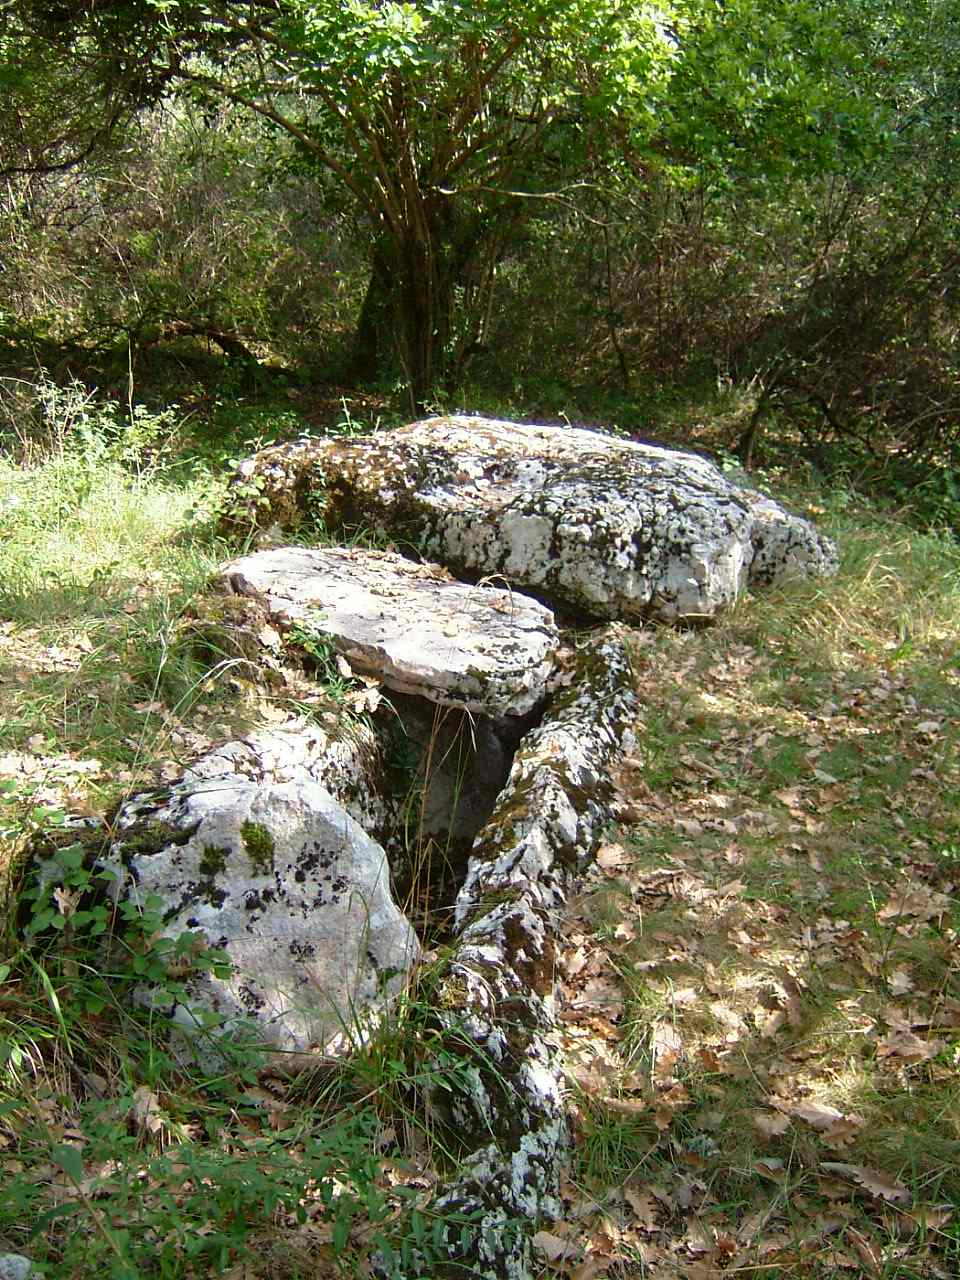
(346, 760)
(281, 879)
(496, 1003)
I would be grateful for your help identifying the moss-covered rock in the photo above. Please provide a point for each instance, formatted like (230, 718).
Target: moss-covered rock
(495, 1004)
(250, 853)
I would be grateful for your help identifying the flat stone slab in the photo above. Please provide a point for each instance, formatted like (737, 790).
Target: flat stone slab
(602, 526)
(412, 626)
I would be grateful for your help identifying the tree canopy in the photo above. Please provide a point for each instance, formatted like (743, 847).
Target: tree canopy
(444, 123)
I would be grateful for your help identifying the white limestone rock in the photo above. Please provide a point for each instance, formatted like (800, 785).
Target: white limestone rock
(277, 875)
(496, 1002)
(345, 758)
(593, 523)
(14, 1266)
(412, 626)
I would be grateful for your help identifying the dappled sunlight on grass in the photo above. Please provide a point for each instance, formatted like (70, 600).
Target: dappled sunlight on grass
(762, 971)
(760, 1004)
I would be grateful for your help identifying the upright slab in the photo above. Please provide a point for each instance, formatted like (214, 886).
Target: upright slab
(589, 522)
(480, 648)
(249, 853)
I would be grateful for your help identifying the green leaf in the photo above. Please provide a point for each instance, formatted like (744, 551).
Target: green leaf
(70, 1159)
(41, 920)
(70, 857)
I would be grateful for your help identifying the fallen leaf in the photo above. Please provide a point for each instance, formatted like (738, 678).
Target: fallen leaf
(625, 1106)
(726, 1247)
(145, 1110)
(710, 1060)
(593, 1266)
(843, 1132)
(644, 1207)
(872, 1181)
(908, 1047)
(688, 826)
(868, 1255)
(610, 856)
(816, 1114)
(790, 797)
(920, 902)
(770, 1023)
(667, 1047)
(931, 1217)
(556, 1249)
(770, 1124)
(900, 982)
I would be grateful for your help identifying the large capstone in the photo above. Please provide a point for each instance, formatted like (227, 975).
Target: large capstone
(591, 523)
(278, 876)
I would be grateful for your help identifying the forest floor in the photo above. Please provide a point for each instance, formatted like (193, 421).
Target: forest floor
(760, 994)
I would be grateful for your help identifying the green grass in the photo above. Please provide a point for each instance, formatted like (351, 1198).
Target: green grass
(828, 715)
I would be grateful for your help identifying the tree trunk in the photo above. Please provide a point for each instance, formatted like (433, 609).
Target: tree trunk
(424, 300)
(371, 341)
(408, 308)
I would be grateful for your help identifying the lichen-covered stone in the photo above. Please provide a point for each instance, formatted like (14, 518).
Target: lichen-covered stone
(496, 1000)
(345, 758)
(606, 527)
(276, 874)
(411, 625)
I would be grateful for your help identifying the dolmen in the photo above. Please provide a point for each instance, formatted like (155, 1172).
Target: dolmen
(595, 525)
(275, 849)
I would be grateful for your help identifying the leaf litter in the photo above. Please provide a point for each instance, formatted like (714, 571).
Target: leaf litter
(760, 988)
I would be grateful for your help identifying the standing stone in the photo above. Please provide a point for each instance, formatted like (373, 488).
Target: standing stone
(495, 1002)
(280, 878)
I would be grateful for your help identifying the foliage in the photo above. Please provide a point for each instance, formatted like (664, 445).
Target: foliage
(186, 232)
(445, 124)
(829, 297)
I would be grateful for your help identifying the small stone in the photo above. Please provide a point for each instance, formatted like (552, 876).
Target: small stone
(14, 1266)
